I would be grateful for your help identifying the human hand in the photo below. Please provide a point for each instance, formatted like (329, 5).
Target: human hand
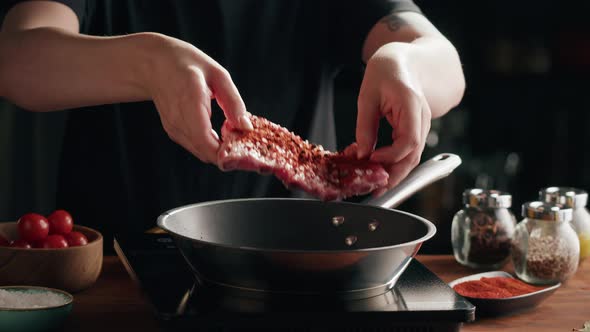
(391, 89)
(181, 81)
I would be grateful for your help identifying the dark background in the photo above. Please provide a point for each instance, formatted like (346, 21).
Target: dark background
(521, 125)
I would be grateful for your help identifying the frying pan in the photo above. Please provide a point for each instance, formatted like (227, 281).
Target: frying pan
(283, 246)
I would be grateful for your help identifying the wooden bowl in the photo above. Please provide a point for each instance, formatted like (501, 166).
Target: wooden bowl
(72, 269)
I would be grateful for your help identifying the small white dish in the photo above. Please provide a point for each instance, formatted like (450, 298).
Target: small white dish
(508, 305)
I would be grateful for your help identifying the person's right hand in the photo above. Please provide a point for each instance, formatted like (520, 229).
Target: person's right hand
(181, 81)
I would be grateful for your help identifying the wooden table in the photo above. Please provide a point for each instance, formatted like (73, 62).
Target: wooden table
(115, 303)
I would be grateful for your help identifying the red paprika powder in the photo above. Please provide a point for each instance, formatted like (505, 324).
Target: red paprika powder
(494, 288)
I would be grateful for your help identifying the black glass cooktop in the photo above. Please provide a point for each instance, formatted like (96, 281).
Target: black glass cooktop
(420, 301)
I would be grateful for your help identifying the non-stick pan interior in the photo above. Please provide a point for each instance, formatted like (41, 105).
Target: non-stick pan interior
(295, 224)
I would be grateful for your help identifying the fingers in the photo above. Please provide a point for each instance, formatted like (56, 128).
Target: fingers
(195, 111)
(185, 116)
(407, 131)
(367, 123)
(426, 123)
(351, 150)
(228, 98)
(177, 135)
(400, 170)
(379, 192)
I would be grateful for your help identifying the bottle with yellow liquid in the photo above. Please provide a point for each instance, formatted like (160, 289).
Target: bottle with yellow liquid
(575, 199)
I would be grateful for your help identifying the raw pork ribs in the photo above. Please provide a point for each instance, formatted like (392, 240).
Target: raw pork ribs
(270, 148)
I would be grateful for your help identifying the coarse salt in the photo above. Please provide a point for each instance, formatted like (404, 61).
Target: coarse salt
(20, 299)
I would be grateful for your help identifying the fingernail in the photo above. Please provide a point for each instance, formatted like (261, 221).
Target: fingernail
(245, 122)
(215, 135)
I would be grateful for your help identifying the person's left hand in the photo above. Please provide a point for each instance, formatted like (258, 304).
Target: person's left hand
(391, 89)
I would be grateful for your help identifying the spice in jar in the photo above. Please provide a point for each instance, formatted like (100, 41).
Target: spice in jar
(545, 247)
(481, 233)
(494, 288)
(549, 258)
(575, 199)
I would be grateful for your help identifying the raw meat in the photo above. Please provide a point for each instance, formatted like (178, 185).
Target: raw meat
(270, 148)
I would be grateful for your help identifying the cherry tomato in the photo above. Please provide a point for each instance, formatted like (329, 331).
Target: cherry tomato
(76, 239)
(54, 241)
(4, 242)
(33, 227)
(20, 243)
(60, 222)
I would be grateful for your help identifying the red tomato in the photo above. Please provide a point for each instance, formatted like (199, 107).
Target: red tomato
(76, 239)
(60, 222)
(54, 241)
(33, 227)
(20, 243)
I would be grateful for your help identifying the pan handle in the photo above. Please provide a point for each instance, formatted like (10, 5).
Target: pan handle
(428, 172)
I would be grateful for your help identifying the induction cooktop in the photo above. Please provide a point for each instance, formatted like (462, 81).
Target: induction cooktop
(419, 302)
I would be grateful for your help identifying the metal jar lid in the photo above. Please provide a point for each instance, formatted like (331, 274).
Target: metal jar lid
(476, 197)
(567, 196)
(546, 211)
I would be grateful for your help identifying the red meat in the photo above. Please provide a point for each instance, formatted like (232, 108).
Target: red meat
(270, 148)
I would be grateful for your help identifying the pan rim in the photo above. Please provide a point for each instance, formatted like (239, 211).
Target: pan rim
(161, 222)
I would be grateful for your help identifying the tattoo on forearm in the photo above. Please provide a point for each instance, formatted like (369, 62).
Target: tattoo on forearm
(393, 22)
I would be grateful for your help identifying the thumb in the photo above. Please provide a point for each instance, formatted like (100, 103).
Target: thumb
(227, 96)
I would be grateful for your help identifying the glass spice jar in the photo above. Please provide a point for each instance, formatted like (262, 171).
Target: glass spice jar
(481, 232)
(545, 248)
(577, 200)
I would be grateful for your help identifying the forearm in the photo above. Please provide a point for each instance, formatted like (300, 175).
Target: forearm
(47, 69)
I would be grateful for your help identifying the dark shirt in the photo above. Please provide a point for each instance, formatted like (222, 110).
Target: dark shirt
(118, 167)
